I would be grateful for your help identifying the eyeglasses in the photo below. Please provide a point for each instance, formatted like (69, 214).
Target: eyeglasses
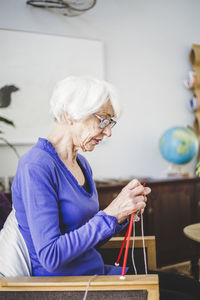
(105, 122)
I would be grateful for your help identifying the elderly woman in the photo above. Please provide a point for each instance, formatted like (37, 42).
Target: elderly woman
(54, 194)
(55, 198)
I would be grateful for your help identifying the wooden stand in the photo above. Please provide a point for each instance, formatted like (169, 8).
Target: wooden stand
(195, 61)
(78, 284)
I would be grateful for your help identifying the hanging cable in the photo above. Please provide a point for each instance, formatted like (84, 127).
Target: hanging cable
(143, 244)
(132, 252)
(87, 287)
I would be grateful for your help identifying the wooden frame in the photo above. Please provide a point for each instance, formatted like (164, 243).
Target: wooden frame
(79, 283)
(150, 245)
(133, 283)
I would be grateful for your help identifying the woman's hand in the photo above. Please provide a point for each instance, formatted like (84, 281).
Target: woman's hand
(132, 198)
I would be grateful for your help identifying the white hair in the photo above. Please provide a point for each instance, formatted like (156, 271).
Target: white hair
(80, 97)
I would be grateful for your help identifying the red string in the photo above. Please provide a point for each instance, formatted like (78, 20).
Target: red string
(127, 240)
(122, 247)
(127, 244)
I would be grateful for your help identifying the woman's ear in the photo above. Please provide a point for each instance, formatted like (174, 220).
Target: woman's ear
(68, 119)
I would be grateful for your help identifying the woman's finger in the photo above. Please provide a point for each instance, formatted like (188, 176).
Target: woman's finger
(140, 205)
(138, 199)
(139, 190)
(147, 190)
(132, 184)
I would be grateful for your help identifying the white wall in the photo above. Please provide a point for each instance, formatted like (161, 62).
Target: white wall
(147, 45)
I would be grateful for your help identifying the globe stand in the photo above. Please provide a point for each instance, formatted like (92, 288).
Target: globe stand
(176, 170)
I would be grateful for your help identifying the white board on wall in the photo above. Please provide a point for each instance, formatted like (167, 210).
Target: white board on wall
(33, 63)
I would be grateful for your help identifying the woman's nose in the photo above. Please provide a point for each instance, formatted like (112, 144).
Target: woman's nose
(107, 131)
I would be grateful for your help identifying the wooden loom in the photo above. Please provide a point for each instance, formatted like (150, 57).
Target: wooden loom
(101, 287)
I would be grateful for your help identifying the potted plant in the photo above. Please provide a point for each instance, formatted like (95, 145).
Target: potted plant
(198, 169)
(8, 122)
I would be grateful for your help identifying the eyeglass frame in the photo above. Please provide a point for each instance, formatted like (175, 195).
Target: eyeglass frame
(111, 122)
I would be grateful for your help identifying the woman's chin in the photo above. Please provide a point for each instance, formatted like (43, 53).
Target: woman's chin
(91, 148)
(88, 148)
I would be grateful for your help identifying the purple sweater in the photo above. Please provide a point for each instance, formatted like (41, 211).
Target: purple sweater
(60, 221)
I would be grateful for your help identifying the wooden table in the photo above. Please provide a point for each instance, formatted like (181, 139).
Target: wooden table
(193, 232)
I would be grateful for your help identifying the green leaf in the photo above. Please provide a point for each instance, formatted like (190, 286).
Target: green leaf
(11, 146)
(9, 122)
(198, 169)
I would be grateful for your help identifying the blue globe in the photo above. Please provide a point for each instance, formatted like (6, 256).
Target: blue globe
(179, 145)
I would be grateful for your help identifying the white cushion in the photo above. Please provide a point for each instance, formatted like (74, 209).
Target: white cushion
(14, 256)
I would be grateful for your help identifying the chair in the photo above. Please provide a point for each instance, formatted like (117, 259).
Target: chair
(138, 287)
(5, 208)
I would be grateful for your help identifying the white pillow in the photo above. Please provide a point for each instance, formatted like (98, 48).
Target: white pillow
(14, 256)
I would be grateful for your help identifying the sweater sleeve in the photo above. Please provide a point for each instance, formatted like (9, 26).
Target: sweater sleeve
(42, 211)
